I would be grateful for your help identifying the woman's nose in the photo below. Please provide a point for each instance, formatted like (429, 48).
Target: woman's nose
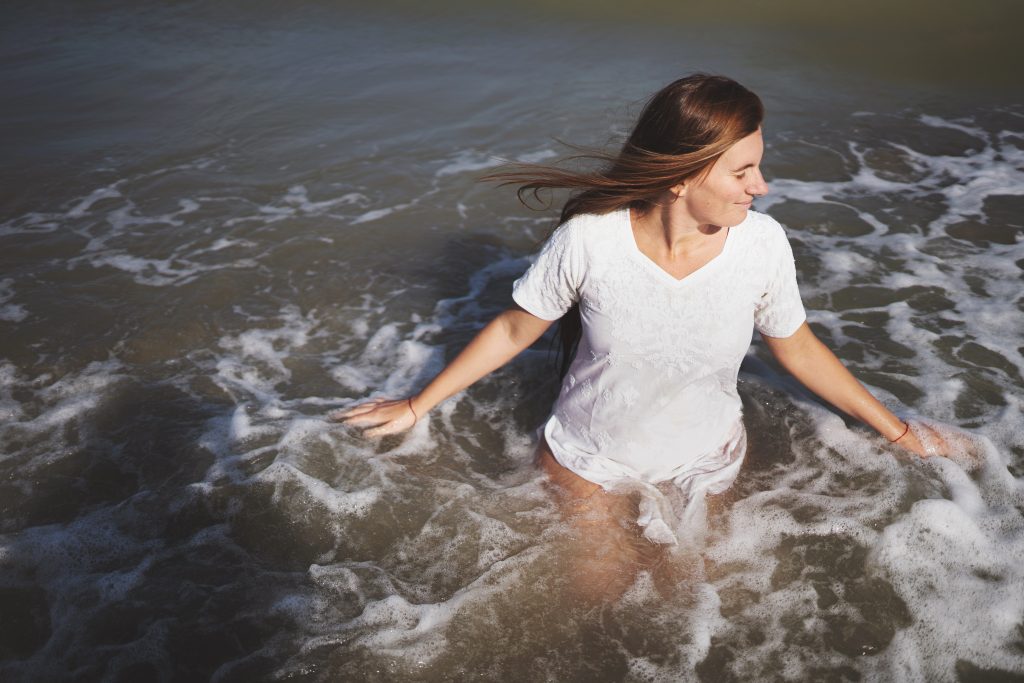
(758, 187)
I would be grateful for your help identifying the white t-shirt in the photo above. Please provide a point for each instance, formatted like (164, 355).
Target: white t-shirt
(651, 393)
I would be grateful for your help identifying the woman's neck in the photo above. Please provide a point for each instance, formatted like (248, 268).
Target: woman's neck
(664, 229)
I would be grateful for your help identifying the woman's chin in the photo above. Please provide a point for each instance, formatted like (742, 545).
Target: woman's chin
(741, 215)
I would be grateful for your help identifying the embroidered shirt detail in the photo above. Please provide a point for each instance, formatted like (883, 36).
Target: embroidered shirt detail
(653, 385)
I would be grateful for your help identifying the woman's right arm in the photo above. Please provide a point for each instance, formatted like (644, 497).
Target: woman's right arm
(511, 332)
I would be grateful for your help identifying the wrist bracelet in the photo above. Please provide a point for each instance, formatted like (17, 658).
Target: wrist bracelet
(415, 417)
(905, 430)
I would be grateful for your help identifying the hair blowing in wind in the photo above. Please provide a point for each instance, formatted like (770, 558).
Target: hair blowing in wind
(680, 133)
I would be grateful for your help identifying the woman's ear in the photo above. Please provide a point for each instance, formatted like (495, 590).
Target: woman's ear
(678, 190)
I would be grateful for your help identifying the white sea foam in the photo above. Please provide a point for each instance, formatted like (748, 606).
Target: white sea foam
(845, 263)
(956, 557)
(225, 243)
(110, 217)
(377, 214)
(85, 205)
(339, 503)
(389, 364)
(934, 574)
(65, 400)
(296, 202)
(537, 157)
(148, 271)
(942, 534)
(467, 161)
(10, 312)
(939, 122)
(91, 555)
(106, 248)
(30, 223)
(241, 428)
(257, 361)
(298, 196)
(916, 524)
(11, 410)
(394, 627)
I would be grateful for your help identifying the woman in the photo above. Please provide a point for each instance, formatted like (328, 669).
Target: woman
(663, 268)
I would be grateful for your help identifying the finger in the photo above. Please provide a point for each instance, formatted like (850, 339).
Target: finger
(368, 420)
(919, 452)
(360, 409)
(342, 415)
(383, 430)
(378, 415)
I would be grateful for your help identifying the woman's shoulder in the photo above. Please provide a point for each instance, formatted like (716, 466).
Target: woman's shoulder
(588, 229)
(762, 230)
(762, 223)
(595, 221)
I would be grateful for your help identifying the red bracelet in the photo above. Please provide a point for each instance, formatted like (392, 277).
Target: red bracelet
(415, 417)
(907, 429)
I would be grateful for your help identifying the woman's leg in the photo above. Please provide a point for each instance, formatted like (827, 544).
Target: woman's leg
(610, 549)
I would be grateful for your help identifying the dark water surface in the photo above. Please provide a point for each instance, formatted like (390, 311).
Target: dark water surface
(218, 222)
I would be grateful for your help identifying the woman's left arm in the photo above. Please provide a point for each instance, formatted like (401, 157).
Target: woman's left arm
(804, 356)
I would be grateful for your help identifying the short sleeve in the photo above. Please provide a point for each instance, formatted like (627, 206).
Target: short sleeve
(780, 311)
(551, 285)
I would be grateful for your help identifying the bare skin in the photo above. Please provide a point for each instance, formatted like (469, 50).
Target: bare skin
(608, 548)
(683, 233)
(818, 369)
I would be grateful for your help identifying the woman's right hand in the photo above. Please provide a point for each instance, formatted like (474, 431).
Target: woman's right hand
(510, 332)
(383, 415)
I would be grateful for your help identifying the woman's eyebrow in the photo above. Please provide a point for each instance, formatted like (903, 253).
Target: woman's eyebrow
(742, 168)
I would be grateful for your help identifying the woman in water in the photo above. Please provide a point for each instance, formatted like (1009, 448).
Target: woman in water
(659, 271)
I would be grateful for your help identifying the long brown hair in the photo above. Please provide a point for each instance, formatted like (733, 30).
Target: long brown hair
(680, 133)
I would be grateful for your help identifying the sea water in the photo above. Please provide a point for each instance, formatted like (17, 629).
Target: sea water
(218, 224)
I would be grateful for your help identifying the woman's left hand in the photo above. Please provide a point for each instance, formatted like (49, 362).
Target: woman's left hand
(927, 438)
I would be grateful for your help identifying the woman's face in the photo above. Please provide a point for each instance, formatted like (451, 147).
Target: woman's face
(724, 196)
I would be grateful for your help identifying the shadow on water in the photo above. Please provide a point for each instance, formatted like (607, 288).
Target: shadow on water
(125, 560)
(144, 440)
(116, 567)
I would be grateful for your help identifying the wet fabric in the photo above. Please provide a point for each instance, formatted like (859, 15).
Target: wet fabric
(651, 392)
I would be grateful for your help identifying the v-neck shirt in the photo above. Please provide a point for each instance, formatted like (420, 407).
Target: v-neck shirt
(652, 389)
(653, 264)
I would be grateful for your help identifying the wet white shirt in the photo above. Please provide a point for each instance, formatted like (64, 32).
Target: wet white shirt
(651, 395)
